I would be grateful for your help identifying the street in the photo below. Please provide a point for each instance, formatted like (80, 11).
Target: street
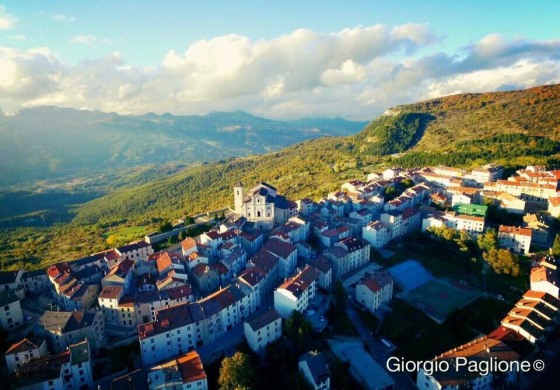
(377, 349)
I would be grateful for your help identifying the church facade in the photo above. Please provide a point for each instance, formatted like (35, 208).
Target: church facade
(262, 206)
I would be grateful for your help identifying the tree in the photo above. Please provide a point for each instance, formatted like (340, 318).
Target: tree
(502, 261)
(182, 235)
(237, 373)
(113, 241)
(165, 227)
(488, 240)
(556, 246)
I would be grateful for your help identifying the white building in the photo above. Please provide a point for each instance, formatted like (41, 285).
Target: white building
(184, 372)
(375, 291)
(263, 206)
(11, 315)
(314, 368)
(377, 234)
(68, 370)
(263, 330)
(63, 328)
(394, 222)
(459, 377)
(554, 206)
(22, 352)
(296, 293)
(286, 254)
(544, 278)
(515, 238)
(348, 255)
(512, 204)
(487, 173)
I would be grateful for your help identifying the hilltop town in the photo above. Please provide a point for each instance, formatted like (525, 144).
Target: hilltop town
(240, 282)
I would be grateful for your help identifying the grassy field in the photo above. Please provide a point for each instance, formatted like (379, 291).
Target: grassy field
(127, 234)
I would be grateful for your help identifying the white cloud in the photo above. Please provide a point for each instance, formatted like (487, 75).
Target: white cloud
(356, 73)
(62, 18)
(88, 40)
(7, 21)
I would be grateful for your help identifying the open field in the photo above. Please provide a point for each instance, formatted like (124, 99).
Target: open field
(441, 297)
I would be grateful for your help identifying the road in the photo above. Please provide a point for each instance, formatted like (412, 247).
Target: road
(377, 350)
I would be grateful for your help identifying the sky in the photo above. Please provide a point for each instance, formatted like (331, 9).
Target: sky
(277, 59)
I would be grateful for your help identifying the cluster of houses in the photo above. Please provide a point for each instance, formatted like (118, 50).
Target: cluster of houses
(270, 257)
(531, 321)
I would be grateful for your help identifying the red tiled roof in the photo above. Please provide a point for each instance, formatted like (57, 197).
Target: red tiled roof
(191, 367)
(515, 230)
(21, 346)
(111, 292)
(188, 243)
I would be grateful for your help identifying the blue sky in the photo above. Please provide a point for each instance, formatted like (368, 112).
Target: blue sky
(277, 59)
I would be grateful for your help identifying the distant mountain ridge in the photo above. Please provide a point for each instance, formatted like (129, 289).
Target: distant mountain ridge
(47, 142)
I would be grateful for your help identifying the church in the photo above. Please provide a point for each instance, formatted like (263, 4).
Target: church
(262, 206)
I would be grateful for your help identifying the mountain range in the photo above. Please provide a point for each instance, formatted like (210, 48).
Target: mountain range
(49, 142)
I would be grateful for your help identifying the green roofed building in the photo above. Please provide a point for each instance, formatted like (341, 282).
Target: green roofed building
(478, 210)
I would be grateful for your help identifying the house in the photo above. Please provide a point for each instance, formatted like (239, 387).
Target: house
(35, 281)
(314, 368)
(109, 303)
(286, 254)
(11, 315)
(377, 234)
(11, 280)
(263, 330)
(375, 291)
(483, 349)
(23, 351)
(297, 292)
(183, 327)
(205, 278)
(63, 328)
(135, 251)
(511, 204)
(324, 267)
(120, 275)
(306, 206)
(188, 246)
(79, 296)
(184, 372)
(544, 278)
(252, 283)
(263, 206)
(473, 225)
(515, 238)
(70, 369)
(269, 264)
(393, 219)
(487, 173)
(348, 255)
(529, 323)
(554, 206)
(411, 220)
(534, 193)
(539, 229)
(331, 236)
(250, 242)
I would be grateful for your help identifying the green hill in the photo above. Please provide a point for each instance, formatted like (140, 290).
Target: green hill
(511, 128)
